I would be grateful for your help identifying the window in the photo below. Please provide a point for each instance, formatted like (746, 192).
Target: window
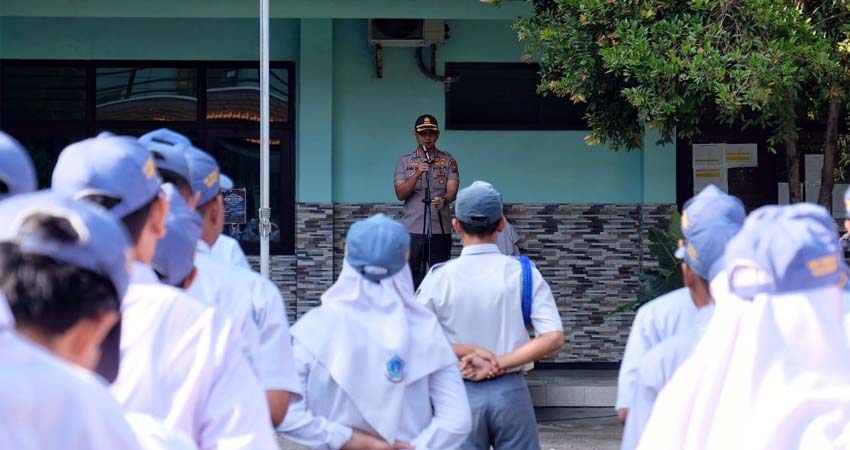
(215, 104)
(151, 93)
(503, 96)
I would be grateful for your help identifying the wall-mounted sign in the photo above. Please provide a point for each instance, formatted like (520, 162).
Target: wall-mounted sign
(235, 206)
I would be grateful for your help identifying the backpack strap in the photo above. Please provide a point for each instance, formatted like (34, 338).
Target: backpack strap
(526, 289)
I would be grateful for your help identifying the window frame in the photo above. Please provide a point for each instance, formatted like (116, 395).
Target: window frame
(202, 127)
(456, 68)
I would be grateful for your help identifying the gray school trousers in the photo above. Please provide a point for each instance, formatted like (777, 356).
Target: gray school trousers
(502, 415)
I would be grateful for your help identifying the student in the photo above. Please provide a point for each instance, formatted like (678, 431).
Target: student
(180, 361)
(772, 370)
(174, 261)
(17, 174)
(64, 289)
(668, 314)
(251, 301)
(477, 298)
(376, 370)
(706, 232)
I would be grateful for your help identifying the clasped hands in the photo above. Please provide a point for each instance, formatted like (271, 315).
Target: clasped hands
(480, 364)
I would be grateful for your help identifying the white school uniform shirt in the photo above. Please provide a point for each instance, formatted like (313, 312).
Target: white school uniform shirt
(771, 373)
(154, 435)
(181, 363)
(227, 249)
(255, 303)
(654, 322)
(343, 350)
(50, 404)
(656, 369)
(477, 299)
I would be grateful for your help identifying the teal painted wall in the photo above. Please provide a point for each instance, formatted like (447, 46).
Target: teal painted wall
(182, 39)
(418, 9)
(373, 119)
(352, 126)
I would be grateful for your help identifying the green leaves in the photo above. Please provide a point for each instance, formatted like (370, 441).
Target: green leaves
(665, 62)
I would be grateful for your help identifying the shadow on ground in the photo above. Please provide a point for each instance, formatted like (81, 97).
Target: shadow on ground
(564, 429)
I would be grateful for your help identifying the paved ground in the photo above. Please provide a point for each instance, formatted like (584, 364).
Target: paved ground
(565, 429)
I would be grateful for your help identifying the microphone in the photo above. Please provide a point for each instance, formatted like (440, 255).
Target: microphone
(427, 156)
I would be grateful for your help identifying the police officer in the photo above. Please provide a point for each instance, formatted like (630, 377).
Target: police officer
(440, 170)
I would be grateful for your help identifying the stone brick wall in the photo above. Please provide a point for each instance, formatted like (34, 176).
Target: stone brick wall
(590, 255)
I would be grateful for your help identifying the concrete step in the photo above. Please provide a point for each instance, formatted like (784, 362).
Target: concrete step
(573, 388)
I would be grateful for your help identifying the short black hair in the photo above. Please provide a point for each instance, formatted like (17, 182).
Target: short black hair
(170, 176)
(47, 294)
(134, 222)
(479, 230)
(4, 188)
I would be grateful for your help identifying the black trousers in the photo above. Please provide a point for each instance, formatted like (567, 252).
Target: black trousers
(441, 250)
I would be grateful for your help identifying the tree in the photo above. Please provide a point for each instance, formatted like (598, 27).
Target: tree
(665, 63)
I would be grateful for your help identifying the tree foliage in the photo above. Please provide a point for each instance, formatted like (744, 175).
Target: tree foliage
(670, 64)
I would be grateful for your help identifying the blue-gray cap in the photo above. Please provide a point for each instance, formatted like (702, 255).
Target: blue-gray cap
(175, 253)
(205, 174)
(377, 247)
(709, 221)
(113, 166)
(16, 169)
(783, 249)
(101, 247)
(479, 204)
(169, 151)
(226, 182)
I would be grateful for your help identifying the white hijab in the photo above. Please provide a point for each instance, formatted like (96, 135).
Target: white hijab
(772, 374)
(360, 327)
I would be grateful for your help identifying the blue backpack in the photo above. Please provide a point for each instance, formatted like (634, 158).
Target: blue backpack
(526, 289)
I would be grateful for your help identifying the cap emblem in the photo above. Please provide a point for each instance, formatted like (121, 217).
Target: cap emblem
(823, 266)
(211, 179)
(149, 169)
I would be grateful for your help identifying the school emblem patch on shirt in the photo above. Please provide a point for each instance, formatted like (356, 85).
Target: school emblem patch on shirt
(396, 369)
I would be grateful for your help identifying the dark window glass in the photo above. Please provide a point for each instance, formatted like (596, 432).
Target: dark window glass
(43, 93)
(239, 159)
(234, 94)
(160, 94)
(503, 96)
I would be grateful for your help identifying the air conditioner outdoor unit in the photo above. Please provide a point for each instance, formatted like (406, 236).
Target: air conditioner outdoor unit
(406, 32)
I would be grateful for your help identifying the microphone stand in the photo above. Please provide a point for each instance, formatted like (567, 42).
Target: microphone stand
(426, 222)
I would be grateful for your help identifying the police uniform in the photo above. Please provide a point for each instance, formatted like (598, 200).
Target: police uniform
(771, 370)
(477, 299)
(442, 170)
(181, 362)
(46, 402)
(667, 315)
(398, 381)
